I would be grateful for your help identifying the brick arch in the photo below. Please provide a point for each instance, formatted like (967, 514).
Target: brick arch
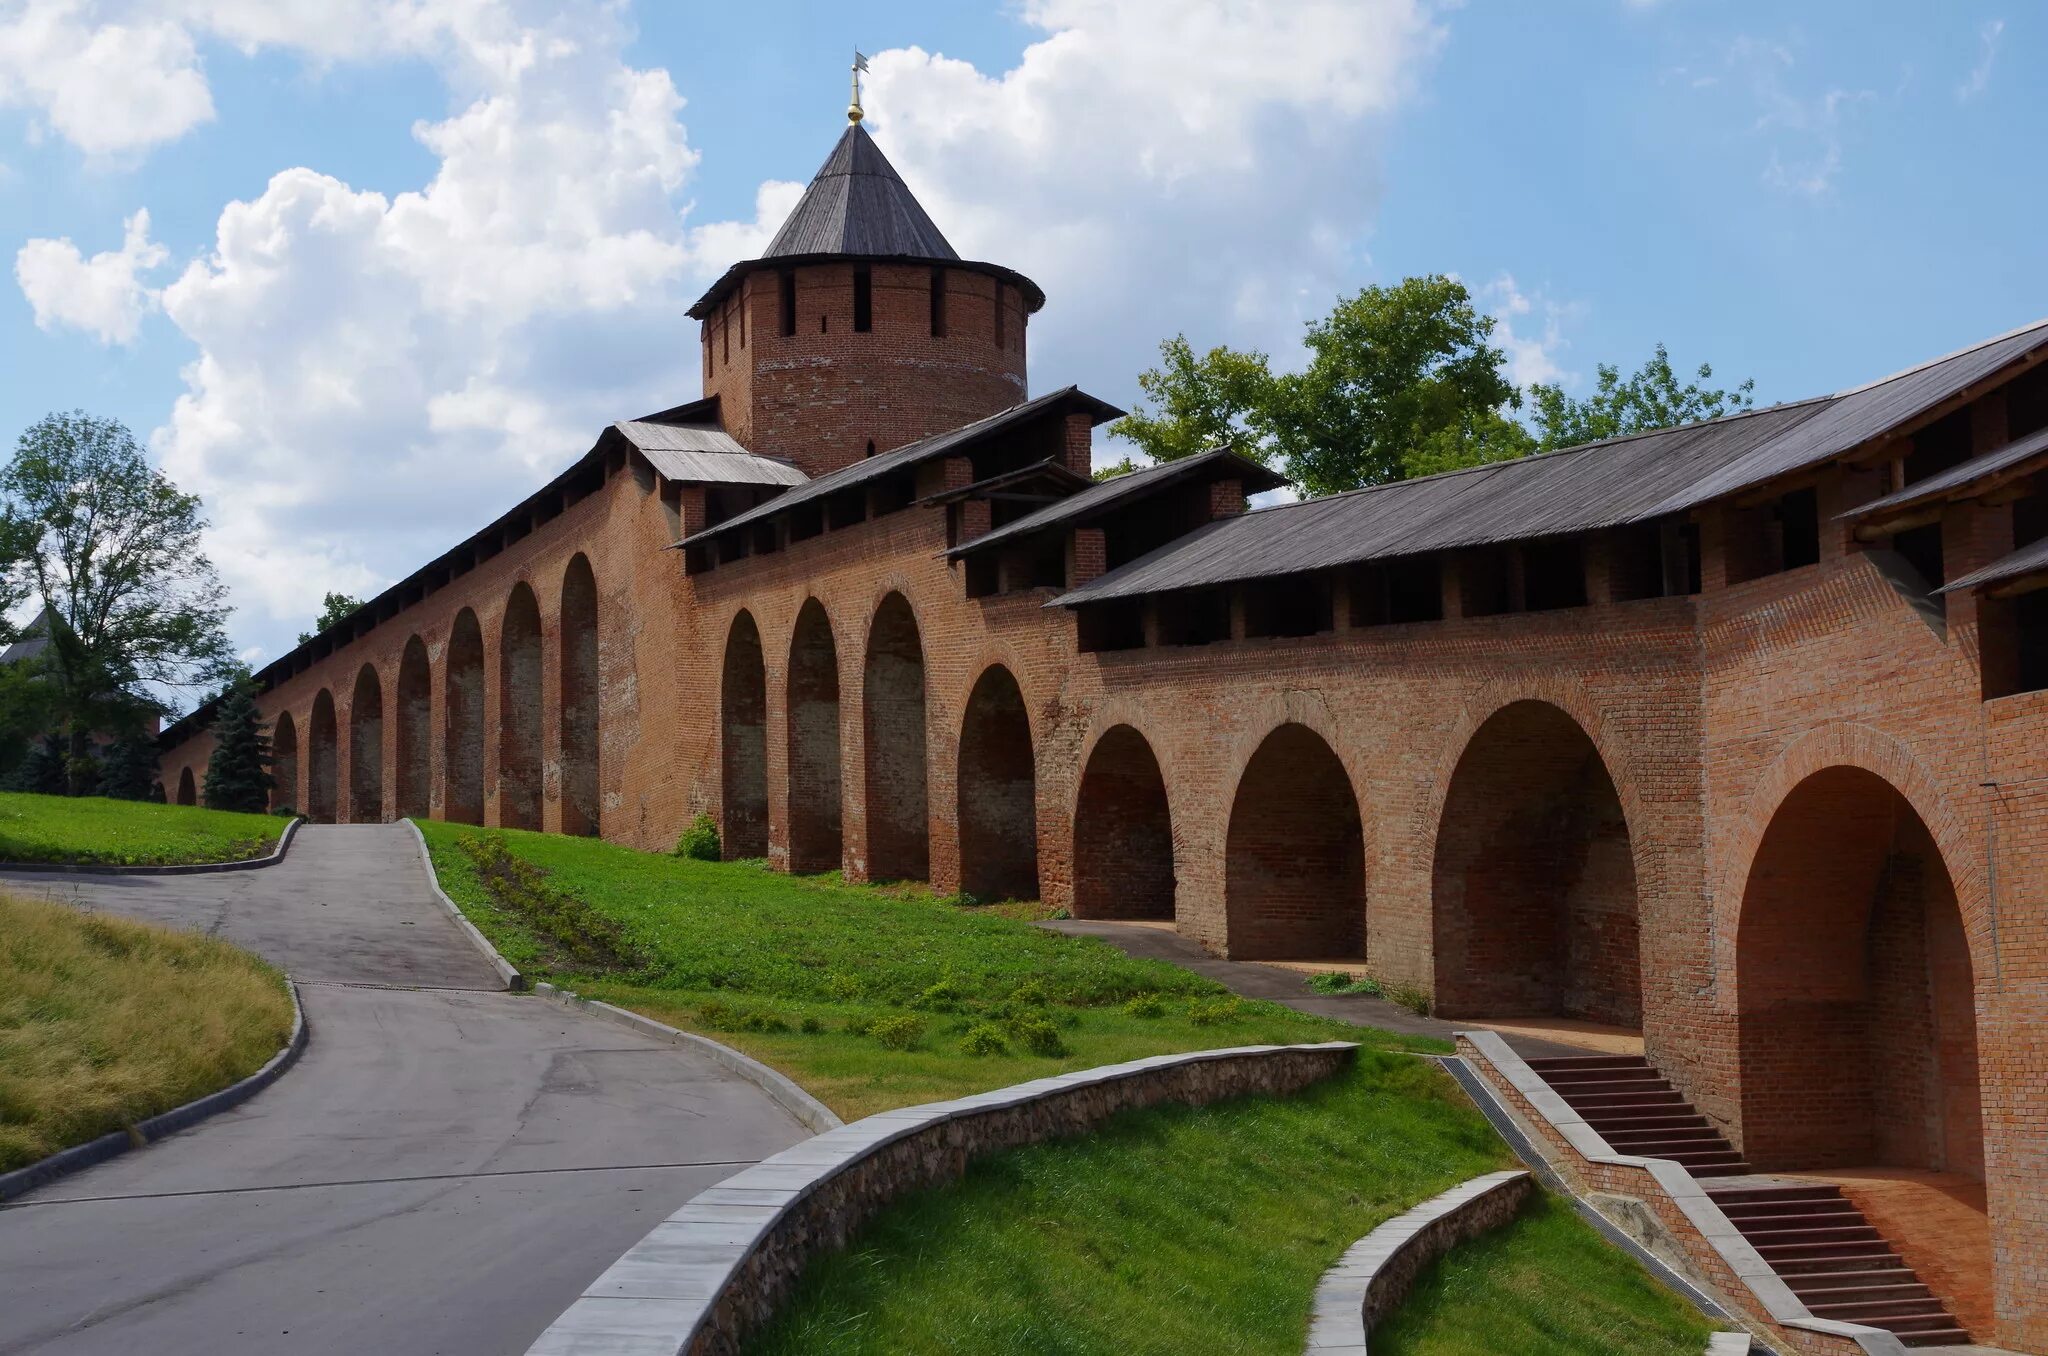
(1615, 754)
(580, 697)
(1294, 868)
(894, 740)
(284, 763)
(188, 789)
(413, 714)
(1855, 992)
(1533, 889)
(323, 761)
(996, 786)
(462, 753)
(743, 741)
(520, 710)
(366, 748)
(815, 757)
(1848, 744)
(1123, 840)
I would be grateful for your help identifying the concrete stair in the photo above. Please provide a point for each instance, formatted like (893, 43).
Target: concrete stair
(1821, 1246)
(1636, 1110)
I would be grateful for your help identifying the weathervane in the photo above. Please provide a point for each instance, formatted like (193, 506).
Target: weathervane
(860, 63)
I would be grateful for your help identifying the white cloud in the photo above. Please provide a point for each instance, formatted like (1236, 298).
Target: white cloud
(105, 295)
(1979, 78)
(1804, 132)
(1206, 166)
(106, 84)
(376, 375)
(1530, 331)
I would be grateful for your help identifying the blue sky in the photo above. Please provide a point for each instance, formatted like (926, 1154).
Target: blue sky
(399, 264)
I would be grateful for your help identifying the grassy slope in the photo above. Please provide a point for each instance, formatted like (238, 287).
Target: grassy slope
(104, 1022)
(1544, 1286)
(773, 949)
(1171, 1230)
(88, 829)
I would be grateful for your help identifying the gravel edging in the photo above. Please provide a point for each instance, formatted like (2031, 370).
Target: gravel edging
(809, 1112)
(507, 971)
(1376, 1272)
(116, 1142)
(718, 1268)
(275, 856)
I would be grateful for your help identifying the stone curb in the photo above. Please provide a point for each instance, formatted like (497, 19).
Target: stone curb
(1375, 1272)
(275, 856)
(809, 1112)
(81, 1156)
(508, 972)
(1715, 1229)
(718, 1267)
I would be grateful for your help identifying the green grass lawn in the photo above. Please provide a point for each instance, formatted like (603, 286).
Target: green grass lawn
(868, 997)
(105, 1022)
(1171, 1230)
(91, 830)
(1546, 1285)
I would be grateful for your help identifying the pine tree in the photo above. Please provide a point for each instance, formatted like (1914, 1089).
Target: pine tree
(43, 770)
(130, 770)
(238, 773)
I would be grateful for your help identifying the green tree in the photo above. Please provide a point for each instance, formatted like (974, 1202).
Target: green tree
(238, 772)
(130, 769)
(1649, 398)
(333, 608)
(43, 770)
(113, 550)
(1399, 380)
(1201, 402)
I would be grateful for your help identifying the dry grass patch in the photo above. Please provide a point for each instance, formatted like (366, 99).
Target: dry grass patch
(106, 1022)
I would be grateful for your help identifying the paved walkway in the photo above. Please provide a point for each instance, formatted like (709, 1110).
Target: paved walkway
(1286, 987)
(444, 1170)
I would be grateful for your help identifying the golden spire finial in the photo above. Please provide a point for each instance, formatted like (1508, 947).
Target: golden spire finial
(853, 112)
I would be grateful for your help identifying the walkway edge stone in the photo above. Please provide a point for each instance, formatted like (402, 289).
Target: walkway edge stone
(1720, 1248)
(79, 1157)
(272, 858)
(1375, 1273)
(718, 1268)
(809, 1112)
(507, 971)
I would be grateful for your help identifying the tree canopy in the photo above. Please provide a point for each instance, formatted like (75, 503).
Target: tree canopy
(1397, 381)
(112, 549)
(333, 608)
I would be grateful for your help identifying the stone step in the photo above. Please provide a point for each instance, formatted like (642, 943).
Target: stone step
(1776, 1210)
(1566, 1063)
(1926, 1306)
(1935, 1337)
(1795, 1267)
(1857, 1232)
(1675, 1119)
(1756, 1195)
(1818, 1295)
(1608, 1101)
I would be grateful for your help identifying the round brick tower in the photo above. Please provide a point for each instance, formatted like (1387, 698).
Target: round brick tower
(860, 329)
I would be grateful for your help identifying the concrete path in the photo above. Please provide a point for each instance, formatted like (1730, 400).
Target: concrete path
(1289, 988)
(444, 1171)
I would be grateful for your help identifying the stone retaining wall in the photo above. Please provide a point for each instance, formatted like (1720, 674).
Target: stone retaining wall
(1376, 1272)
(720, 1266)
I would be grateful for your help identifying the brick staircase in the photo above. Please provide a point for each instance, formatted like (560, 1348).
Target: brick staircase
(1821, 1246)
(1635, 1109)
(1813, 1236)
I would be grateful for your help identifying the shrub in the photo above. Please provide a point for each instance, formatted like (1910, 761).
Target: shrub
(983, 1038)
(700, 841)
(1210, 1011)
(944, 996)
(897, 1033)
(1417, 1001)
(1031, 993)
(1039, 1036)
(1339, 982)
(1146, 1005)
(812, 1026)
(285, 812)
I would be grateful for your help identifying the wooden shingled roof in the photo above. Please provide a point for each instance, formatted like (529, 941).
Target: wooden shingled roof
(858, 207)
